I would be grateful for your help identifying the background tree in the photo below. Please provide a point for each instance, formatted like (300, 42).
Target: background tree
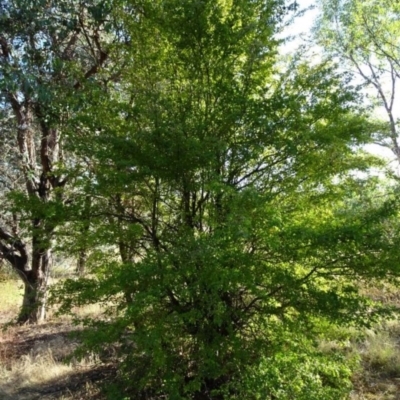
(223, 178)
(365, 35)
(48, 50)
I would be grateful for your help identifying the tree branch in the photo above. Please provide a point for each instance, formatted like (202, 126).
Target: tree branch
(8, 247)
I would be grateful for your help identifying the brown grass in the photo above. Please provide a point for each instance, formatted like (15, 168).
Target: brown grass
(10, 299)
(33, 364)
(379, 378)
(33, 359)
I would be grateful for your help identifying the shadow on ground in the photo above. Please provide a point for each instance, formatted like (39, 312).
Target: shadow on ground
(77, 386)
(32, 365)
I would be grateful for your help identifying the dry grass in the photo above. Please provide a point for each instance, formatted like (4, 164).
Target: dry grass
(10, 298)
(33, 360)
(33, 363)
(382, 353)
(37, 367)
(379, 378)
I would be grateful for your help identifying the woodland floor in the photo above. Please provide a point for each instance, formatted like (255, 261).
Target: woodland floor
(34, 366)
(36, 362)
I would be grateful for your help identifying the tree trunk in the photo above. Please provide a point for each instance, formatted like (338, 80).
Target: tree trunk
(35, 289)
(81, 263)
(83, 252)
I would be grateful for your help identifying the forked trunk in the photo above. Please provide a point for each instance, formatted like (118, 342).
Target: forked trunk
(35, 289)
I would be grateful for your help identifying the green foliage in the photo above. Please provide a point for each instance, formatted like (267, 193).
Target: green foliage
(299, 371)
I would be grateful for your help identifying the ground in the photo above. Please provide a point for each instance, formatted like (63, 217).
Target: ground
(36, 362)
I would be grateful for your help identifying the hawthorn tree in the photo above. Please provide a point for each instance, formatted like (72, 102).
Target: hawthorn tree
(228, 229)
(48, 51)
